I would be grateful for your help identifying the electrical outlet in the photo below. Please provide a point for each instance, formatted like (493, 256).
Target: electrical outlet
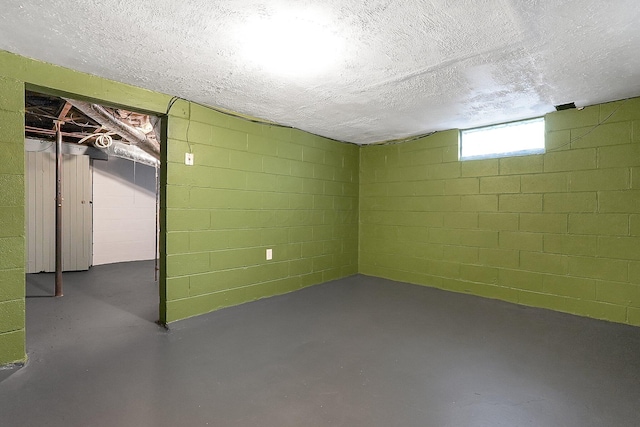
(188, 159)
(269, 254)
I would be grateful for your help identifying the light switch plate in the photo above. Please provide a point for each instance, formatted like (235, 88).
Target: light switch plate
(188, 159)
(269, 254)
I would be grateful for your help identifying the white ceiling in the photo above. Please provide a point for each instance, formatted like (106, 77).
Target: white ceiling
(382, 70)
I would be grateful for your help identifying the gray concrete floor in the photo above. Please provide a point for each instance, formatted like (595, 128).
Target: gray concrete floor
(360, 351)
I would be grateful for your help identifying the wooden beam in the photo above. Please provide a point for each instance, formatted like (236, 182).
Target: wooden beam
(63, 113)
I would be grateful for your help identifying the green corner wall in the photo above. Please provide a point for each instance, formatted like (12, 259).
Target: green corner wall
(252, 187)
(559, 230)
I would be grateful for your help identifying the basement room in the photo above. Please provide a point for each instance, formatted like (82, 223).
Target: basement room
(337, 213)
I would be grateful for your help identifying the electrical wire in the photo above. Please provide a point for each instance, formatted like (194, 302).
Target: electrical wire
(170, 105)
(104, 140)
(600, 123)
(46, 116)
(246, 119)
(188, 127)
(403, 140)
(85, 125)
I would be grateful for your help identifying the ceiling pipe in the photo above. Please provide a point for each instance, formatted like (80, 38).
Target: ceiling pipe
(131, 152)
(113, 124)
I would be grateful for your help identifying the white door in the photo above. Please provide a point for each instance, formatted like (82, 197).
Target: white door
(76, 212)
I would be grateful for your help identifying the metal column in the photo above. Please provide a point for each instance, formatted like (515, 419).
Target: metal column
(58, 279)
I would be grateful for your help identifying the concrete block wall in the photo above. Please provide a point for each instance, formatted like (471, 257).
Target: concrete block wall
(559, 230)
(254, 187)
(16, 74)
(12, 221)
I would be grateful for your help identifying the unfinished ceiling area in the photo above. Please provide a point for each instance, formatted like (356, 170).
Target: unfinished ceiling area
(114, 131)
(356, 71)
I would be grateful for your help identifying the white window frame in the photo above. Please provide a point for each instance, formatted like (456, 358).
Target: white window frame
(530, 141)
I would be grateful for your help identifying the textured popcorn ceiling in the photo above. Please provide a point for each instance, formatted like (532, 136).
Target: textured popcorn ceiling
(380, 70)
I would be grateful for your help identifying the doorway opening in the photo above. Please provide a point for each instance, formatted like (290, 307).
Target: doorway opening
(109, 160)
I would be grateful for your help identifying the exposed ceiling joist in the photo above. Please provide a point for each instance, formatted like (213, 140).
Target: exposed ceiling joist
(110, 122)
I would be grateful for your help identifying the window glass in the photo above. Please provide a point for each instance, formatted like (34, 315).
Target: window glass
(509, 139)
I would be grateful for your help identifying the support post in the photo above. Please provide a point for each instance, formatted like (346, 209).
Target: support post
(156, 267)
(58, 277)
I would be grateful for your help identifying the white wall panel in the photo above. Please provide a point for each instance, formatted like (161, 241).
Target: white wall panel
(124, 206)
(76, 212)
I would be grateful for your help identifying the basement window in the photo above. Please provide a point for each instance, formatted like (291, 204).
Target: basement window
(507, 139)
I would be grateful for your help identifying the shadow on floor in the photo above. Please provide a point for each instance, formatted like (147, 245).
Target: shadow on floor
(126, 286)
(8, 370)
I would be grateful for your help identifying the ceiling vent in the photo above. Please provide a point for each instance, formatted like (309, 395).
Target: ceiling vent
(568, 106)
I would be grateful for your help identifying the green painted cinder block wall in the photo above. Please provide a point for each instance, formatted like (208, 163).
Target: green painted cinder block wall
(559, 230)
(12, 247)
(253, 187)
(17, 74)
